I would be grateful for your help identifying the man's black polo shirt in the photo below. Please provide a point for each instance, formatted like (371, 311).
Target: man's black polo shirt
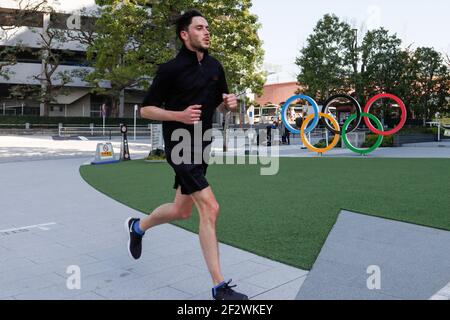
(184, 81)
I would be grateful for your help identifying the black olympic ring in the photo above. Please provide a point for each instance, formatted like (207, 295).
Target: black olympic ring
(353, 102)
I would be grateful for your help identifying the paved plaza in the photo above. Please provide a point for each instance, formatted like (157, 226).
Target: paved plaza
(52, 220)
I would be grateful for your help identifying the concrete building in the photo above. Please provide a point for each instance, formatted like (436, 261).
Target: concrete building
(77, 101)
(275, 93)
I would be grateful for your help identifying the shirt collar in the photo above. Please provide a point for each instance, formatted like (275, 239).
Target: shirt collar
(192, 55)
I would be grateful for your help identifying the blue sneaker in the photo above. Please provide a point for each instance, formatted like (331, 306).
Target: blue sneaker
(134, 244)
(223, 291)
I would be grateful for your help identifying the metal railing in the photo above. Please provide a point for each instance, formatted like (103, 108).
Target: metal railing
(100, 131)
(356, 138)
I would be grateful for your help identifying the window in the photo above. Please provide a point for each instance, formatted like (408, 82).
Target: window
(96, 110)
(57, 108)
(269, 111)
(21, 18)
(59, 21)
(24, 18)
(66, 57)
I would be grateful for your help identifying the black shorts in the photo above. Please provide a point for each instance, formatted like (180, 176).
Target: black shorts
(190, 177)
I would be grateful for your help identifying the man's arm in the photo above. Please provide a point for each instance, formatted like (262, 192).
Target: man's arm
(188, 116)
(229, 103)
(159, 114)
(222, 108)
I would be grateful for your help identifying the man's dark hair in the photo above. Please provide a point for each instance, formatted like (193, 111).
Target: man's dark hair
(185, 20)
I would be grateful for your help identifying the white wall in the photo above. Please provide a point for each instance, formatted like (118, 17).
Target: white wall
(23, 73)
(76, 109)
(66, 6)
(31, 39)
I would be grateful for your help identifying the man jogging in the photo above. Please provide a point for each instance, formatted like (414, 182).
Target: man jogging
(184, 94)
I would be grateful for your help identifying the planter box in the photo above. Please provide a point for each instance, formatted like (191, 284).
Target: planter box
(413, 138)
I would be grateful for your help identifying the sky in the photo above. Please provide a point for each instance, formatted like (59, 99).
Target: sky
(286, 25)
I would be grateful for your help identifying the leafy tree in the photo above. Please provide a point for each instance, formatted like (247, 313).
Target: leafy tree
(332, 62)
(125, 50)
(383, 68)
(132, 40)
(431, 85)
(383, 61)
(235, 42)
(327, 61)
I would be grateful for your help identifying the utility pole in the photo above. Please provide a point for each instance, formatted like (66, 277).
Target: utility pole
(355, 58)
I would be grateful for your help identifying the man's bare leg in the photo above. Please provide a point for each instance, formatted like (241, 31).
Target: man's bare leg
(208, 209)
(180, 209)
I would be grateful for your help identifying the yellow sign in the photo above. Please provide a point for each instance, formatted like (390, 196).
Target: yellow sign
(106, 154)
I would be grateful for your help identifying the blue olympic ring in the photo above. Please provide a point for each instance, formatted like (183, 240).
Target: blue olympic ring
(316, 113)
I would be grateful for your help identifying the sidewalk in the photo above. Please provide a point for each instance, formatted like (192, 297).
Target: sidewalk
(85, 228)
(26, 148)
(52, 219)
(412, 261)
(20, 148)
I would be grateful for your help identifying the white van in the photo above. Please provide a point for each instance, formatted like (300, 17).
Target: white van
(267, 113)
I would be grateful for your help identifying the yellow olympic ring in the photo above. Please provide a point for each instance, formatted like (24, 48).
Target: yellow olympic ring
(306, 142)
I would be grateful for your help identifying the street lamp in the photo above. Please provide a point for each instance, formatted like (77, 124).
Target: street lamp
(135, 112)
(355, 38)
(439, 126)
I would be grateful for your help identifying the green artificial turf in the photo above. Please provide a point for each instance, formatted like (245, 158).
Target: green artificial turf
(287, 217)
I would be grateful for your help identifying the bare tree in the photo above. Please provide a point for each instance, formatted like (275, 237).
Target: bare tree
(24, 14)
(447, 60)
(85, 34)
(51, 80)
(36, 16)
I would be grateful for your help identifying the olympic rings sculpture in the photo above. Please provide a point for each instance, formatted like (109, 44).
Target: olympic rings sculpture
(346, 128)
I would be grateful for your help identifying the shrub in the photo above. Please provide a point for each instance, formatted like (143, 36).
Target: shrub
(372, 138)
(322, 143)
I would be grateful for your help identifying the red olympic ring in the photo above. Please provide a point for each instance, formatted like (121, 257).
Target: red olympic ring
(402, 118)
